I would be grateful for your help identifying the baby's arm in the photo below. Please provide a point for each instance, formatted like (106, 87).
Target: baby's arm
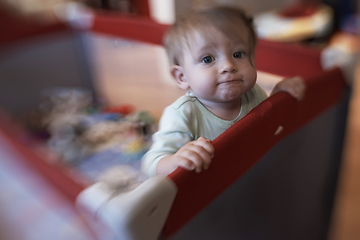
(295, 86)
(195, 155)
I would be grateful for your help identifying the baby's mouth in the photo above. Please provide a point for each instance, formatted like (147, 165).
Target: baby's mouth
(231, 81)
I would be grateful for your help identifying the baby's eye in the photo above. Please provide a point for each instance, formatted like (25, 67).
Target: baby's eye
(207, 59)
(238, 55)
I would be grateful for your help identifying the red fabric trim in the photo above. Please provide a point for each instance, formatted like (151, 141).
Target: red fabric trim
(135, 28)
(287, 59)
(15, 28)
(142, 7)
(241, 146)
(300, 9)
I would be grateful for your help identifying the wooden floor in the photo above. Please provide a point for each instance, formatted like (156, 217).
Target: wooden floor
(148, 86)
(346, 217)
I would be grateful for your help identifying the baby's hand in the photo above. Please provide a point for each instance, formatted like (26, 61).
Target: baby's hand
(294, 85)
(195, 155)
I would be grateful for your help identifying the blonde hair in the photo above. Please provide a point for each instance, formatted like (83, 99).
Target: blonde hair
(224, 19)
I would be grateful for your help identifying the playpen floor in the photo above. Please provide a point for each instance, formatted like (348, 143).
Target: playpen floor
(152, 89)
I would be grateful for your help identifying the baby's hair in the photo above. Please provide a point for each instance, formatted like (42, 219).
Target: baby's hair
(224, 19)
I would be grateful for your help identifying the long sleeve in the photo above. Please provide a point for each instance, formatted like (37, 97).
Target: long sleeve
(175, 130)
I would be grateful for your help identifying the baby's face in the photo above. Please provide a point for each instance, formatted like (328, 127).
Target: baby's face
(217, 68)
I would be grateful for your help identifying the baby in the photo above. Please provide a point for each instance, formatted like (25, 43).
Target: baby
(211, 53)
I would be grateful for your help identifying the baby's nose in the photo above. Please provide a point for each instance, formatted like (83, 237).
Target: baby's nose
(228, 66)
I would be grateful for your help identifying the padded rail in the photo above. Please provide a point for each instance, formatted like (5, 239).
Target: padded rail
(241, 146)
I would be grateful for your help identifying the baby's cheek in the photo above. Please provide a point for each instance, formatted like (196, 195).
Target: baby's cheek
(206, 83)
(251, 74)
(206, 91)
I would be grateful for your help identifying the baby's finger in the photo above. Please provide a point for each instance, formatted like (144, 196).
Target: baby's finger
(299, 88)
(295, 86)
(205, 156)
(200, 158)
(299, 81)
(205, 150)
(206, 144)
(193, 154)
(204, 139)
(186, 164)
(296, 92)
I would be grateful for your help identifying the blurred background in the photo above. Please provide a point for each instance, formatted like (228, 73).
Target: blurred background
(44, 43)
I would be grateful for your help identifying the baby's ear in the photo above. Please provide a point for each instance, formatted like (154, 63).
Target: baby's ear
(178, 73)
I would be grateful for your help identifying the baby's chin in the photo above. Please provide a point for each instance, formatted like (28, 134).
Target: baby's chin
(230, 95)
(222, 96)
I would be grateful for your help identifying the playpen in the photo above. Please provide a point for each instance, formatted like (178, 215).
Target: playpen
(273, 176)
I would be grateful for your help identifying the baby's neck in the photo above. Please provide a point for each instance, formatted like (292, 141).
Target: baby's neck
(227, 111)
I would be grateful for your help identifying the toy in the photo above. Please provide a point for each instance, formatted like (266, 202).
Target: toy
(78, 128)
